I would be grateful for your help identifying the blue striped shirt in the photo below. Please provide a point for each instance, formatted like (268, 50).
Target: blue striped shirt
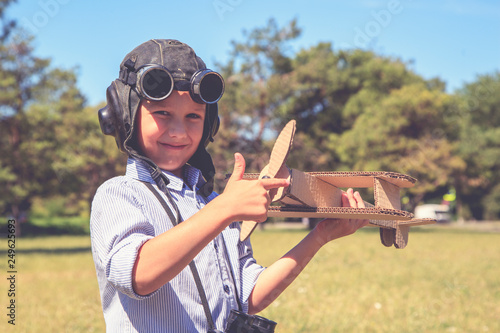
(126, 214)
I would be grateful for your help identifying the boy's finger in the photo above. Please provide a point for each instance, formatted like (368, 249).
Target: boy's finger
(345, 200)
(239, 168)
(350, 196)
(272, 183)
(359, 200)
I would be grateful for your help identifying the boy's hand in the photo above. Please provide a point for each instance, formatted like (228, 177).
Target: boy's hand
(249, 199)
(330, 229)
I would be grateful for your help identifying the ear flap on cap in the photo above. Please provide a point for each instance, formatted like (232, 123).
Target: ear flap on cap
(111, 117)
(117, 117)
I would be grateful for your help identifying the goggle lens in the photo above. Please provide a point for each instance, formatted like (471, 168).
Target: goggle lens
(156, 83)
(209, 88)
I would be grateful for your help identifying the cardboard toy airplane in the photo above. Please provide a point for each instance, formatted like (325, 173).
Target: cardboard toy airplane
(318, 195)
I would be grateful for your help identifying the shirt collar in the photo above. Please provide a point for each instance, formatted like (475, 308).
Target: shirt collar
(192, 176)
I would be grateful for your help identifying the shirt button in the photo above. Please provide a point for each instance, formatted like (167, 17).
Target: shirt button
(226, 289)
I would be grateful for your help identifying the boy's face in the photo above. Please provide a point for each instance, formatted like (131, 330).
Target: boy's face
(170, 131)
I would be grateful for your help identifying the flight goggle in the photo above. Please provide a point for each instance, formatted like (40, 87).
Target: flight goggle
(155, 83)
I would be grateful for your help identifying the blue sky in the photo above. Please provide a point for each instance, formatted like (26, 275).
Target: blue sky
(452, 40)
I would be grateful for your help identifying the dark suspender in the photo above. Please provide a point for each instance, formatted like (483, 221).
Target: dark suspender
(192, 266)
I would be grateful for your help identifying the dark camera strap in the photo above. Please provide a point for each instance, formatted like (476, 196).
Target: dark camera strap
(240, 308)
(192, 266)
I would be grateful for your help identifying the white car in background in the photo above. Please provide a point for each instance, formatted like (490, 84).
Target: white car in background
(441, 213)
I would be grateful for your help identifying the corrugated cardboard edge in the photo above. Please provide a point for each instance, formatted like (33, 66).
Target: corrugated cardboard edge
(364, 179)
(417, 222)
(356, 179)
(379, 217)
(371, 213)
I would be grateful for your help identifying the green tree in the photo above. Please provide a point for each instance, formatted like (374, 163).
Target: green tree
(330, 91)
(51, 145)
(21, 75)
(406, 132)
(478, 142)
(254, 77)
(6, 24)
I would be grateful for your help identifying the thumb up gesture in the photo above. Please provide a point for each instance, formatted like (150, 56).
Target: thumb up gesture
(249, 199)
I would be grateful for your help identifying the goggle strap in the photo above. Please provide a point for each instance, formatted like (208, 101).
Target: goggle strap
(125, 74)
(128, 77)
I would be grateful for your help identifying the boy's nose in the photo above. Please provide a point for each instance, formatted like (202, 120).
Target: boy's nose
(176, 128)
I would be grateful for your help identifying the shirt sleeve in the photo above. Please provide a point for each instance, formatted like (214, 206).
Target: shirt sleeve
(118, 228)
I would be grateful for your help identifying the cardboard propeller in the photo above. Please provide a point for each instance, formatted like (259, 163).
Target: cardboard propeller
(318, 195)
(275, 169)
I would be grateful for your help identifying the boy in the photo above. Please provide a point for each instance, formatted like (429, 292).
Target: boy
(163, 112)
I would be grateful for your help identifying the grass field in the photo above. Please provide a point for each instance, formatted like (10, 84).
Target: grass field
(446, 280)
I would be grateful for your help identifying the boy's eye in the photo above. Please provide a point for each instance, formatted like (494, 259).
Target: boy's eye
(161, 113)
(194, 116)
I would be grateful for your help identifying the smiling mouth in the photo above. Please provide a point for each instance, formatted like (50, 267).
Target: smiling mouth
(172, 147)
